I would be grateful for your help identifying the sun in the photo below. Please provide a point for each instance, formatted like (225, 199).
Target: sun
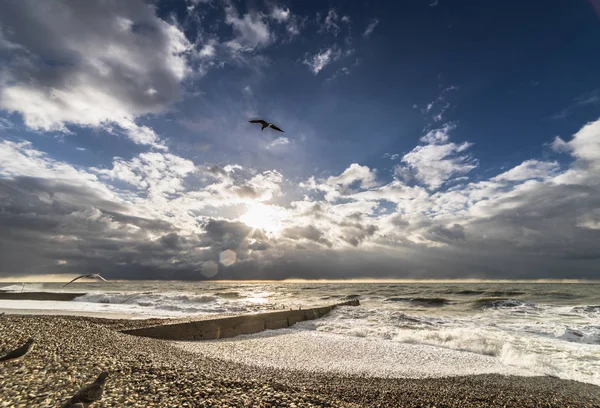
(261, 216)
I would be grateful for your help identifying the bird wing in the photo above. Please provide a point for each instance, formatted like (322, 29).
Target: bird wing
(262, 122)
(100, 277)
(275, 128)
(79, 277)
(16, 353)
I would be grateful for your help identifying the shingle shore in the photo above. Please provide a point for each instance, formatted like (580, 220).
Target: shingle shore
(71, 351)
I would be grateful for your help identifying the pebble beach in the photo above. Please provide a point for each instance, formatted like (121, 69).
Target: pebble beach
(71, 351)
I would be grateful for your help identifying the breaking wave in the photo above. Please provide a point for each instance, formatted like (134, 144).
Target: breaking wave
(170, 302)
(501, 303)
(431, 302)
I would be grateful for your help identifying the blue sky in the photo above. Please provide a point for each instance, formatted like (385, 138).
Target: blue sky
(423, 138)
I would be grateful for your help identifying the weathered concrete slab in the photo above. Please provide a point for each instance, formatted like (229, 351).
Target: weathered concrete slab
(234, 326)
(39, 296)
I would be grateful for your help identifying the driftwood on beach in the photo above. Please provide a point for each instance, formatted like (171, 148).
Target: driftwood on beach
(236, 325)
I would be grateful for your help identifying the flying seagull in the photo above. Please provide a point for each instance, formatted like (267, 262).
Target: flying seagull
(88, 394)
(19, 352)
(89, 275)
(265, 124)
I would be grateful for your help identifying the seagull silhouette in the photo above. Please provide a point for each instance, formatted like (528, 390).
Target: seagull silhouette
(265, 124)
(88, 394)
(89, 275)
(19, 352)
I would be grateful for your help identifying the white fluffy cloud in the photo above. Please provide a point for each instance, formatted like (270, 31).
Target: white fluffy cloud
(252, 30)
(279, 142)
(529, 169)
(323, 58)
(111, 63)
(280, 14)
(160, 210)
(585, 145)
(434, 164)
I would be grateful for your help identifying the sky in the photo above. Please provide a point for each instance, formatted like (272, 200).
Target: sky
(423, 139)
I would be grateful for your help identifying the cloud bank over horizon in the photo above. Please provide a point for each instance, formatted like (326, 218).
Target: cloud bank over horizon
(124, 150)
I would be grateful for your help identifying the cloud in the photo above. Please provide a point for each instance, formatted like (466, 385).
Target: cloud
(330, 24)
(355, 173)
(320, 60)
(529, 169)
(585, 145)
(157, 173)
(437, 161)
(293, 23)
(371, 27)
(591, 98)
(102, 65)
(280, 141)
(251, 30)
(440, 105)
(158, 215)
(208, 49)
(340, 71)
(279, 14)
(307, 232)
(439, 135)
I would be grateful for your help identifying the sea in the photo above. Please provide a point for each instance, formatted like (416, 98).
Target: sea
(541, 328)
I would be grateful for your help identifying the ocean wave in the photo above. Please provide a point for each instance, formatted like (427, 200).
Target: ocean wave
(409, 321)
(558, 295)
(462, 292)
(504, 293)
(469, 292)
(184, 303)
(431, 302)
(500, 303)
(586, 309)
(583, 335)
(228, 295)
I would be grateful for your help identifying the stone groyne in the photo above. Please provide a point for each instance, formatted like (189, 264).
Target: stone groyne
(234, 326)
(63, 297)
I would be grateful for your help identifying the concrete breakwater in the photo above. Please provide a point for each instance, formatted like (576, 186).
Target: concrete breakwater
(63, 297)
(234, 326)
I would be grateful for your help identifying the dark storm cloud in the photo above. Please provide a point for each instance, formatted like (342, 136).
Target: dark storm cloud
(548, 219)
(446, 235)
(355, 233)
(46, 33)
(259, 246)
(94, 64)
(222, 234)
(43, 221)
(308, 232)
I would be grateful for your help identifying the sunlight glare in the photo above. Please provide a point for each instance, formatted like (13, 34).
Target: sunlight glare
(261, 216)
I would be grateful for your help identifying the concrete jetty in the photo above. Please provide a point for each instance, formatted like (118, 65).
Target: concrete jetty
(60, 296)
(234, 326)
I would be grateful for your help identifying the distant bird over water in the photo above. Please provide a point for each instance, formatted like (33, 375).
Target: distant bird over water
(88, 394)
(265, 124)
(89, 275)
(19, 352)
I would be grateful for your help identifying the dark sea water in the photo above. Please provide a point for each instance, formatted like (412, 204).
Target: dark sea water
(550, 328)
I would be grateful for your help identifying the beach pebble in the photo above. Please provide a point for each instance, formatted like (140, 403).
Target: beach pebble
(71, 351)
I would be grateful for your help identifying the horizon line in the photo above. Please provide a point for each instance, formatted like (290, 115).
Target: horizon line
(57, 278)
